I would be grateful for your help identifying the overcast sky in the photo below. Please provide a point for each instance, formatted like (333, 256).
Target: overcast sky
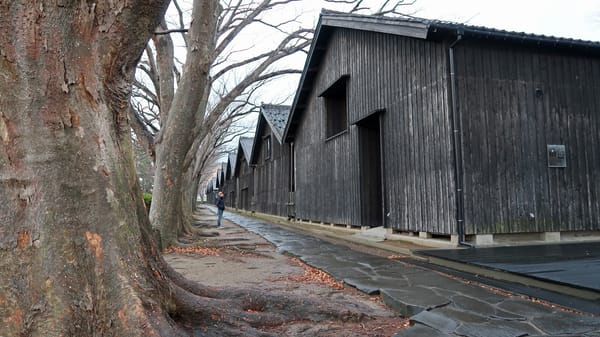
(578, 19)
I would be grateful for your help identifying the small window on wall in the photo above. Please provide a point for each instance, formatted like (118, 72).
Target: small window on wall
(267, 147)
(336, 107)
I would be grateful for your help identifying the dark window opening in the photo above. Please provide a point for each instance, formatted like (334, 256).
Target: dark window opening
(267, 147)
(336, 107)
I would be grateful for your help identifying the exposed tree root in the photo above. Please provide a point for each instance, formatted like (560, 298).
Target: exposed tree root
(247, 312)
(200, 310)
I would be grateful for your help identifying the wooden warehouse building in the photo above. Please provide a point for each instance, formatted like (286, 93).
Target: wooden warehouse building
(271, 161)
(211, 190)
(230, 188)
(442, 129)
(243, 176)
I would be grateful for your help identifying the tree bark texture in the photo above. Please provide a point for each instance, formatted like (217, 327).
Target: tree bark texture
(187, 110)
(165, 57)
(75, 256)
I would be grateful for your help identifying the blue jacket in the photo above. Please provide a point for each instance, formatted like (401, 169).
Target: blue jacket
(220, 203)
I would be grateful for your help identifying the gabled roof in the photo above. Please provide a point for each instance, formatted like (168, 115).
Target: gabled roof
(246, 144)
(221, 174)
(244, 149)
(230, 165)
(416, 28)
(276, 117)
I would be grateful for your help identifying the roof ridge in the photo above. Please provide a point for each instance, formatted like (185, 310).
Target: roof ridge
(448, 24)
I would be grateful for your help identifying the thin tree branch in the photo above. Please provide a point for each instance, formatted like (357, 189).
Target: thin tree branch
(170, 31)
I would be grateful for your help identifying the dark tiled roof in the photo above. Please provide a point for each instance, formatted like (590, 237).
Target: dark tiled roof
(221, 175)
(277, 117)
(231, 164)
(244, 150)
(246, 144)
(428, 28)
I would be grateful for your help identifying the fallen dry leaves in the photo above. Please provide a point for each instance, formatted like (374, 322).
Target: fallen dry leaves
(379, 327)
(196, 250)
(312, 275)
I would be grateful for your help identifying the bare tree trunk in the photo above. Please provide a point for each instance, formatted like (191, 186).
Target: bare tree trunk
(165, 57)
(187, 108)
(75, 256)
(188, 201)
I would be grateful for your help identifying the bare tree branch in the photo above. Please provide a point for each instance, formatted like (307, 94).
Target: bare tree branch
(169, 31)
(181, 22)
(300, 35)
(143, 92)
(238, 21)
(386, 7)
(151, 70)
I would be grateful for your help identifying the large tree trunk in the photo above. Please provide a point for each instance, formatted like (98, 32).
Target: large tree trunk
(75, 257)
(176, 136)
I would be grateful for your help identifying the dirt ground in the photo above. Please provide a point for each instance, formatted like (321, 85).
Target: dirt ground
(235, 257)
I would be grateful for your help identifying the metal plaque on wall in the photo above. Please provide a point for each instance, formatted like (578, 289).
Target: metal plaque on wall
(557, 156)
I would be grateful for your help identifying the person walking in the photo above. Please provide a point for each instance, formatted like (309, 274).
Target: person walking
(220, 207)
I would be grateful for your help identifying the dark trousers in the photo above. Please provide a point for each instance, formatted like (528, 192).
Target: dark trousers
(219, 217)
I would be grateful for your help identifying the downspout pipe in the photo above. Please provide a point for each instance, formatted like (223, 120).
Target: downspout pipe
(291, 204)
(457, 145)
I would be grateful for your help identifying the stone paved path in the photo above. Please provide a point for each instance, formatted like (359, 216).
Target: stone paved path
(437, 304)
(576, 263)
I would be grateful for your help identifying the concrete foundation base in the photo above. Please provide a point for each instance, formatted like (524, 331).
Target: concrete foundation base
(551, 236)
(438, 240)
(527, 238)
(425, 235)
(484, 239)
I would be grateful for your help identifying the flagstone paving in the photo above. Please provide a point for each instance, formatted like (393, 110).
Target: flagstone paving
(438, 304)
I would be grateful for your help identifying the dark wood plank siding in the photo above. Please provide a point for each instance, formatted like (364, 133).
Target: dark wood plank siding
(418, 148)
(407, 78)
(325, 174)
(245, 193)
(513, 103)
(272, 187)
(230, 192)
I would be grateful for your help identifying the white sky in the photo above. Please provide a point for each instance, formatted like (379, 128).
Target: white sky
(578, 19)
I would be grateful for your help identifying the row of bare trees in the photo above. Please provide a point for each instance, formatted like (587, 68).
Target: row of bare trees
(77, 251)
(185, 117)
(186, 143)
